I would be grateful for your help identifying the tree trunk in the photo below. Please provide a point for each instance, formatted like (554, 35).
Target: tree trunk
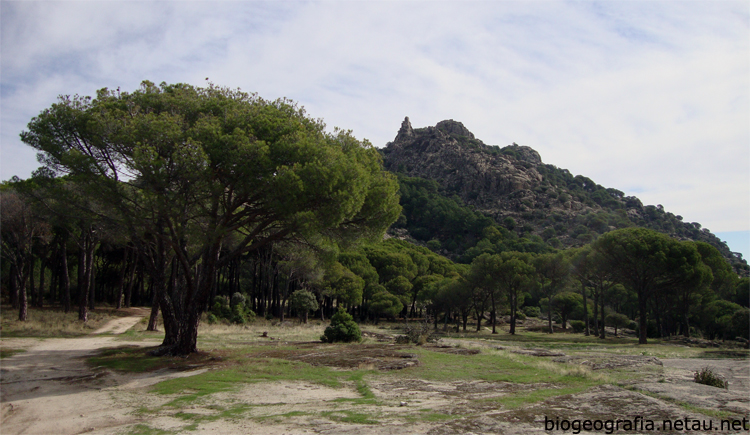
(549, 315)
(121, 278)
(13, 286)
(65, 275)
(513, 317)
(601, 301)
(32, 291)
(595, 296)
(642, 309)
(155, 301)
(585, 310)
(23, 304)
(40, 291)
(92, 281)
(83, 290)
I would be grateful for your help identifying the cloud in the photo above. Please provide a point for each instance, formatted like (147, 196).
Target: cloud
(651, 98)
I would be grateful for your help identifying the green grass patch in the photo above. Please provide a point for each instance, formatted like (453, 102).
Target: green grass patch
(252, 370)
(7, 353)
(345, 416)
(128, 359)
(144, 429)
(279, 417)
(491, 367)
(524, 398)
(136, 359)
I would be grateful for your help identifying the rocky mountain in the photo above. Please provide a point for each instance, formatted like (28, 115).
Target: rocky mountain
(446, 167)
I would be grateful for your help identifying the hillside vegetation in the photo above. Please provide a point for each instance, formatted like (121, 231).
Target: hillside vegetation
(451, 182)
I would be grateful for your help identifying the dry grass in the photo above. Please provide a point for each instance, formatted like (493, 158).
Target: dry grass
(53, 322)
(229, 335)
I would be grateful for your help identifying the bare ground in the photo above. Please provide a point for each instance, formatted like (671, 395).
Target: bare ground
(49, 390)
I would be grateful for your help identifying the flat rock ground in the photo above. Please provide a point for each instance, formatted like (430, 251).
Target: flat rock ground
(48, 389)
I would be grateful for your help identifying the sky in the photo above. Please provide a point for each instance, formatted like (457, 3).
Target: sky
(648, 97)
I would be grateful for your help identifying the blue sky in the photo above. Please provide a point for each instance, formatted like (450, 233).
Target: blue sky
(652, 98)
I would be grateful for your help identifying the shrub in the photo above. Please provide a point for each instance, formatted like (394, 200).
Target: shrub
(237, 299)
(418, 332)
(520, 315)
(578, 325)
(233, 310)
(706, 376)
(343, 328)
(532, 311)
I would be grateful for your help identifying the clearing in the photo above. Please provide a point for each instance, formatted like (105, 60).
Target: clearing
(276, 379)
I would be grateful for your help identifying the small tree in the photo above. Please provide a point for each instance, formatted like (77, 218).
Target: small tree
(303, 302)
(617, 320)
(343, 328)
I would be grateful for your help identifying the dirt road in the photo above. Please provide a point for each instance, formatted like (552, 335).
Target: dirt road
(50, 390)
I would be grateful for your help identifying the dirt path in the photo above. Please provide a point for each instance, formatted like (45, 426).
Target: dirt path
(49, 389)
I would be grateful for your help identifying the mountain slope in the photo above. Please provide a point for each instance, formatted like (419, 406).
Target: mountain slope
(521, 194)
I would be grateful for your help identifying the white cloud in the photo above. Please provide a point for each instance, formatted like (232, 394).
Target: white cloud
(652, 98)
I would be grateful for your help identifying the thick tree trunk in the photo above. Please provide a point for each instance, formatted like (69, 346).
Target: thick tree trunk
(155, 302)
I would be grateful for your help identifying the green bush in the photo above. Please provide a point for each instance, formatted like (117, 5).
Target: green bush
(237, 299)
(706, 376)
(532, 311)
(520, 315)
(233, 310)
(577, 325)
(343, 328)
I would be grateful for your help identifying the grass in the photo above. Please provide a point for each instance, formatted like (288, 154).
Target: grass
(687, 406)
(346, 416)
(143, 429)
(250, 371)
(238, 355)
(7, 352)
(51, 322)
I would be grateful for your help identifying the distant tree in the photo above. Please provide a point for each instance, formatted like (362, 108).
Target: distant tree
(20, 230)
(617, 320)
(385, 304)
(303, 301)
(647, 262)
(565, 304)
(553, 271)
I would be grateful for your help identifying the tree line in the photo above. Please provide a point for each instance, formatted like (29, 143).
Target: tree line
(191, 200)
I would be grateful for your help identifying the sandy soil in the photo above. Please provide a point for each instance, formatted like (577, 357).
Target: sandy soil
(49, 390)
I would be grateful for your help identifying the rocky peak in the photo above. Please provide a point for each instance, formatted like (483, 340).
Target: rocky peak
(450, 154)
(406, 132)
(526, 154)
(454, 128)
